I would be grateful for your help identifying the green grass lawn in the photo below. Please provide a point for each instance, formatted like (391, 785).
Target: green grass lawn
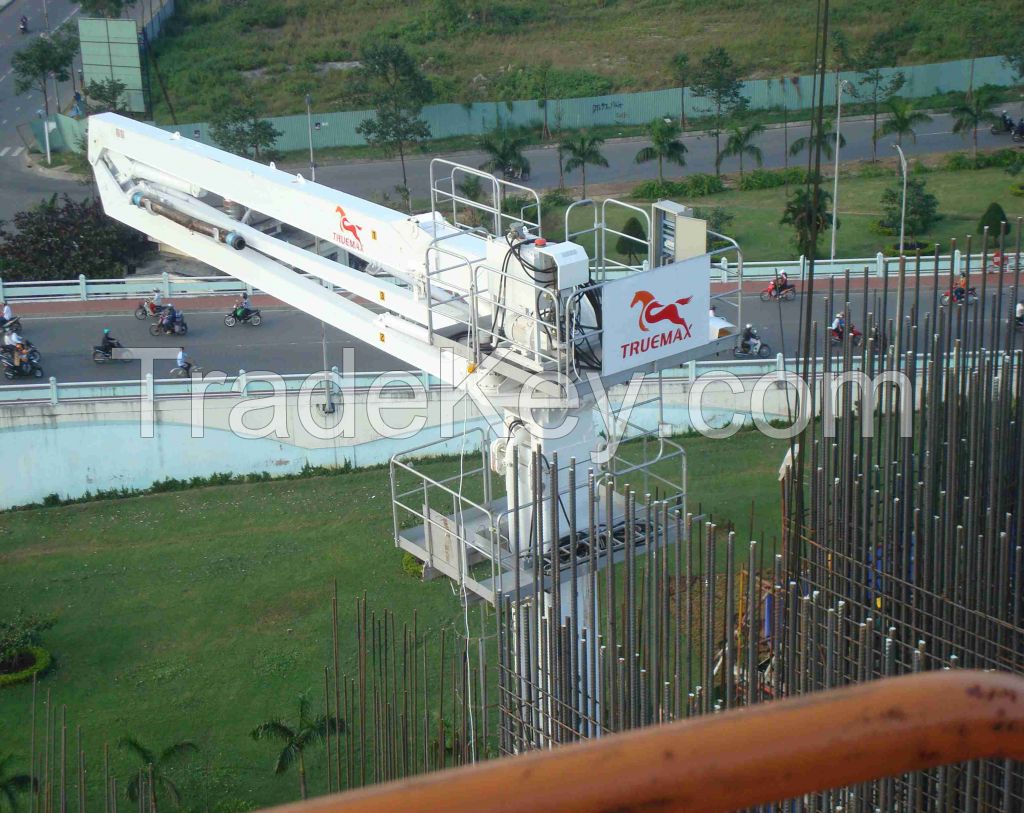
(483, 51)
(963, 197)
(199, 614)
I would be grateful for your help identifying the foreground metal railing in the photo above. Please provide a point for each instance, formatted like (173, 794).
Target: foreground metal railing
(735, 759)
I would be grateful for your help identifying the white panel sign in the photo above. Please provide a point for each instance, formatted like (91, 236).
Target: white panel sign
(655, 315)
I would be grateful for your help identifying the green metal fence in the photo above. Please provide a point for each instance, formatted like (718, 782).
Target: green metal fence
(338, 129)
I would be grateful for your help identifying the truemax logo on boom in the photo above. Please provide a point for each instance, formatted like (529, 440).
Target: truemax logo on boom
(651, 312)
(352, 239)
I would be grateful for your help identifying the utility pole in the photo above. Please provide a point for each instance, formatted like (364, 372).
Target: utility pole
(840, 87)
(328, 406)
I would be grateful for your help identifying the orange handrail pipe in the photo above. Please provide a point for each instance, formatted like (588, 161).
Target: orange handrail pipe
(735, 759)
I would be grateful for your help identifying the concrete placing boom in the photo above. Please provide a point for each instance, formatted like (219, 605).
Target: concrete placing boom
(466, 292)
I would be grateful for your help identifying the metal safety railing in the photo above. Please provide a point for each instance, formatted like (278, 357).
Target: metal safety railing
(84, 289)
(735, 759)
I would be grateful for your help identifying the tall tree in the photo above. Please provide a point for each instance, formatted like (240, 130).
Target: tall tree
(308, 730)
(971, 113)
(583, 150)
(504, 152)
(680, 69)
(238, 127)
(12, 784)
(718, 80)
(152, 774)
(922, 208)
(65, 238)
(106, 96)
(398, 90)
(44, 57)
(740, 143)
(875, 84)
(665, 146)
(807, 220)
(632, 242)
(902, 120)
(826, 137)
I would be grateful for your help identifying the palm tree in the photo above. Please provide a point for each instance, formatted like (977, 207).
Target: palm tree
(665, 145)
(971, 113)
(826, 138)
(11, 784)
(807, 219)
(740, 143)
(307, 731)
(153, 769)
(583, 150)
(902, 120)
(504, 152)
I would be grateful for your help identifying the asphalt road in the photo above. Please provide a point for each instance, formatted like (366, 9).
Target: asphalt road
(371, 178)
(288, 341)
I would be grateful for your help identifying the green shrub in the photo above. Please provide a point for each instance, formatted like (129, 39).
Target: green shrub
(876, 171)
(993, 220)
(412, 566)
(41, 664)
(772, 178)
(698, 185)
(957, 161)
(1017, 189)
(20, 631)
(556, 197)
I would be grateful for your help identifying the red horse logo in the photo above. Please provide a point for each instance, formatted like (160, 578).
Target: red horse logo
(652, 310)
(348, 225)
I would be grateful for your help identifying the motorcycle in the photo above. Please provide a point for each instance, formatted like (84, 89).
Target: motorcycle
(970, 298)
(33, 352)
(757, 348)
(23, 25)
(148, 309)
(772, 293)
(12, 324)
(116, 353)
(1003, 126)
(27, 368)
(837, 336)
(178, 328)
(253, 318)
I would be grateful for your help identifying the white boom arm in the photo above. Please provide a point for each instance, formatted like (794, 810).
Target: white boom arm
(507, 306)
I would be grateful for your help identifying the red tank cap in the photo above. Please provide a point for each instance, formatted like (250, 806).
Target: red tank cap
(540, 242)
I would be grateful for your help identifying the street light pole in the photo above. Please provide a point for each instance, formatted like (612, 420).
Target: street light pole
(328, 406)
(843, 85)
(903, 205)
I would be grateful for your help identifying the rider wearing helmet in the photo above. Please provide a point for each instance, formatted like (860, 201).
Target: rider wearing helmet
(838, 323)
(783, 283)
(1006, 120)
(169, 315)
(1018, 314)
(747, 336)
(108, 342)
(183, 360)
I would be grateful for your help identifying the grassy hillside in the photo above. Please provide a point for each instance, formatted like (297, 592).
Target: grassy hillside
(477, 49)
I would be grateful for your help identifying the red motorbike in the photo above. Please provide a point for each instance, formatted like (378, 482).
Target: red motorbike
(148, 309)
(856, 337)
(773, 292)
(958, 296)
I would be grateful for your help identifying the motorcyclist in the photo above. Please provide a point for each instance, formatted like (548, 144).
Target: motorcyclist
(183, 361)
(168, 318)
(1007, 121)
(6, 315)
(13, 339)
(960, 289)
(747, 337)
(23, 24)
(1018, 131)
(783, 284)
(242, 308)
(838, 325)
(156, 302)
(1018, 314)
(108, 342)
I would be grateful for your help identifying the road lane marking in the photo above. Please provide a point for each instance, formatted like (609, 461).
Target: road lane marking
(4, 151)
(18, 151)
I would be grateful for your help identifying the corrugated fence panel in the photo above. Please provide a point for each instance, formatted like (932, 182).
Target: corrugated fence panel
(338, 129)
